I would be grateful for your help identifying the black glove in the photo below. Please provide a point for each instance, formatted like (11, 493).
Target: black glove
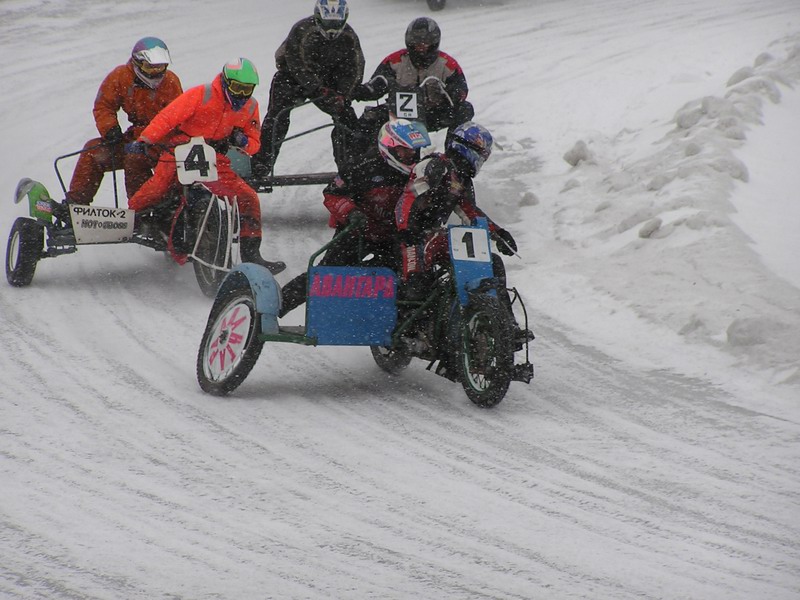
(505, 242)
(357, 218)
(371, 90)
(436, 171)
(219, 146)
(137, 147)
(238, 138)
(363, 91)
(332, 100)
(113, 135)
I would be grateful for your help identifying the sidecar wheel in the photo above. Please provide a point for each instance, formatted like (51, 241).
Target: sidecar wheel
(230, 345)
(391, 361)
(25, 244)
(486, 355)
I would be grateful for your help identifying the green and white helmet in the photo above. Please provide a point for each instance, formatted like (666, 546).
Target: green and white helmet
(239, 80)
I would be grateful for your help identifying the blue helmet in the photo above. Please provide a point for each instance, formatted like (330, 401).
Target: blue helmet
(472, 142)
(400, 141)
(330, 17)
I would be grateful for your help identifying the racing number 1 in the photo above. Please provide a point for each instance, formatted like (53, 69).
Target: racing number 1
(469, 243)
(467, 240)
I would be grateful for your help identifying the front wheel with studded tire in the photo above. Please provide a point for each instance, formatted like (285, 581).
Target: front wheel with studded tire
(486, 353)
(24, 249)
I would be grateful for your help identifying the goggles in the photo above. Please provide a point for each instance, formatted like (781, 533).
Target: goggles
(151, 70)
(330, 26)
(237, 88)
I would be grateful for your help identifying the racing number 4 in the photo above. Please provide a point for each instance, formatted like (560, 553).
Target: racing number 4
(196, 161)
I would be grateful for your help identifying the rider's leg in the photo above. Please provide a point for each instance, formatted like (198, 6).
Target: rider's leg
(88, 174)
(283, 94)
(520, 335)
(231, 185)
(138, 169)
(154, 189)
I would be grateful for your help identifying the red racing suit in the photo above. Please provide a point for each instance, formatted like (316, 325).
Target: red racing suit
(203, 111)
(426, 204)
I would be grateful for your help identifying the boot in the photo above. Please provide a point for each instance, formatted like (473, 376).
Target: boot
(250, 251)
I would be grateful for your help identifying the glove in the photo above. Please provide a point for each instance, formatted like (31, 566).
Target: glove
(357, 218)
(371, 90)
(505, 242)
(363, 91)
(238, 138)
(437, 169)
(137, 147)
(113, 135)
(219, 146)
(332, 100)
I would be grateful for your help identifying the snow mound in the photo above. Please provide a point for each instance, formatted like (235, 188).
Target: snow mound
(652, 224)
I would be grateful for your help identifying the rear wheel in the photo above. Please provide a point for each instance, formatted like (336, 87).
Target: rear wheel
(212, 256)
(230, 345)
(25, 243)
(486, 354)
(391, 361)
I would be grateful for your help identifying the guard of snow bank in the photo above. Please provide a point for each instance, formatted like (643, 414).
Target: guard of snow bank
(662, 222)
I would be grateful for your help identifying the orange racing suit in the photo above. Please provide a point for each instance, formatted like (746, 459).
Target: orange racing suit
(203, 111)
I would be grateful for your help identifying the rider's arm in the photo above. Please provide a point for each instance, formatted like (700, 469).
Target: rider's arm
(294, 55)
(175, 113)
(456, 82)
(109, 100)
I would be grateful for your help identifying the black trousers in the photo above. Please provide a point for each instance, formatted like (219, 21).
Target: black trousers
(284, 95)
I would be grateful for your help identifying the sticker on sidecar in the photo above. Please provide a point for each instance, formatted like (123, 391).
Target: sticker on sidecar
(101, 224)
(351, 306)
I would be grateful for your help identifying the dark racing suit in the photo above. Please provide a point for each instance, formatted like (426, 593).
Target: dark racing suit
(372, 187)
(311, 66)
(437, 188)
(397, 71)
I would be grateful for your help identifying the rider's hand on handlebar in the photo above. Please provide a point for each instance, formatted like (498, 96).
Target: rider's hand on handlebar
(136, 147)
(505, 242)
(113, 135)
(356, 218)
(238, 138)
(332, 99)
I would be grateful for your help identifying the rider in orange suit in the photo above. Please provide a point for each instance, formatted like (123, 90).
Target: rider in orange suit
(225, 114)
(140, 88)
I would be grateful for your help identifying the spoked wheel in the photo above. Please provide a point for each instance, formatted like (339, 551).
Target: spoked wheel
(213, 252)
(391, 361)
(230, 345)
(25, 243)
(486, 353)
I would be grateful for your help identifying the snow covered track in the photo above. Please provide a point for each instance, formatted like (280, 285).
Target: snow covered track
(655, 456)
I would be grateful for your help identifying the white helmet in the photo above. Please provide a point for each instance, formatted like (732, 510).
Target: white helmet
(400, 141)
(150, 57)
(330, 17)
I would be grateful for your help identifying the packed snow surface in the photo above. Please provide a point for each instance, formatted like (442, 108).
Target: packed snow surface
(647, 164)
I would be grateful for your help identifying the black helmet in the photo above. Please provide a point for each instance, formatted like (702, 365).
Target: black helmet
(422, 41)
